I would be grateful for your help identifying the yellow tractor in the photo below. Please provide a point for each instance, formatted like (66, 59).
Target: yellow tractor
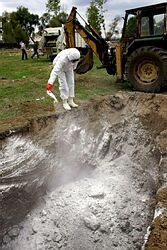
(140, 57)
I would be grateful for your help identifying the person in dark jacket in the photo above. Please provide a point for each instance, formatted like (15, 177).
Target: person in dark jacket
(35, 49)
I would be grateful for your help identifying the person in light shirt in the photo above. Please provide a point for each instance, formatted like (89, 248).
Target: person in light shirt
(23, 49)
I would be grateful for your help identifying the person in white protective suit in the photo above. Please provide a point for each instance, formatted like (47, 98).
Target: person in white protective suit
(64, 65)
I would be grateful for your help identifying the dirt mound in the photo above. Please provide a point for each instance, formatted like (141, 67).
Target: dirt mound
(92, 178)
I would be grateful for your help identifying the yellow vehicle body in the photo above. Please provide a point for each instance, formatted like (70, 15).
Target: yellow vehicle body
(140, 57)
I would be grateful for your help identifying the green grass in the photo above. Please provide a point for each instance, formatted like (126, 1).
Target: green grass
(23, 85)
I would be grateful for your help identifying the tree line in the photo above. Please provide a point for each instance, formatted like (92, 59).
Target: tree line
(21, 24)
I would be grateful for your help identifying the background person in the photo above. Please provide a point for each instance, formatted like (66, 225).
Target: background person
(35, 50)
(64, 65)
(23, 49)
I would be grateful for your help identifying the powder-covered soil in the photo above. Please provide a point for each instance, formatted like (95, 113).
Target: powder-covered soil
(91, 178)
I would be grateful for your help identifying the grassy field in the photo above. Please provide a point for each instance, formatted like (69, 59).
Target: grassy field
(23, 86)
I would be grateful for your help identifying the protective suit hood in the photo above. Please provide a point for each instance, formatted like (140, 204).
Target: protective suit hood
(73, 54)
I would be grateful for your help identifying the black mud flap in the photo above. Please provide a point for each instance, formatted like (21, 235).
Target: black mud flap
(86, 62)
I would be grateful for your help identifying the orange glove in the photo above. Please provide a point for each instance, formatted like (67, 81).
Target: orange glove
(49, 87)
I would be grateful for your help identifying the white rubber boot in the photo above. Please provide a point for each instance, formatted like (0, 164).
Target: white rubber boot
(72, 103)
(65, 105)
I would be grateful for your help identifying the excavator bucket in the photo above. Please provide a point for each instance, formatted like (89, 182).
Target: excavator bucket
(86, 62)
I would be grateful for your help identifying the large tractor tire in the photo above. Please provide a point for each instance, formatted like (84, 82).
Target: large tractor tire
(146, 69)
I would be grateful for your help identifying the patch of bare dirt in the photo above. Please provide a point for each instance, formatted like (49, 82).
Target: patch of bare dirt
(158, 237)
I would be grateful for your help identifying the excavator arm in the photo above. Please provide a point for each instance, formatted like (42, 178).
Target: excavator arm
(94, 41)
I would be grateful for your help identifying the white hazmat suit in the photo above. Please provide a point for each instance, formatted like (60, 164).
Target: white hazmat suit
(64, 65)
